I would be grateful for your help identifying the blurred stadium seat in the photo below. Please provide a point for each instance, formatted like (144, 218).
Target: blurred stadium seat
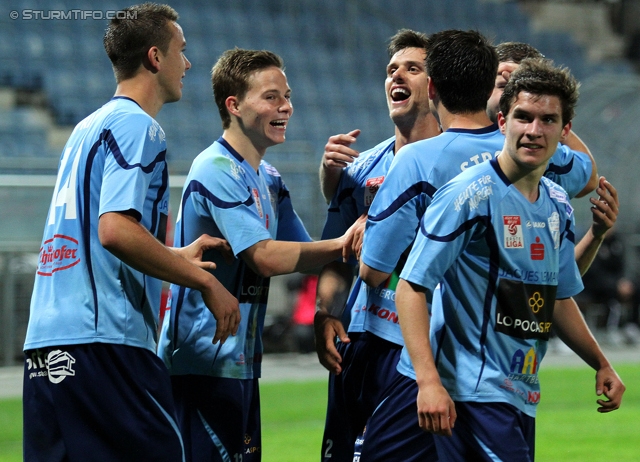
(335, 55)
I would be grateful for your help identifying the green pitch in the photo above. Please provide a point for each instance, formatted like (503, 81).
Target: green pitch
(568, 426)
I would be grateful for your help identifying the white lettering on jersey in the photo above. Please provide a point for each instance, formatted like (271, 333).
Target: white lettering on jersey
(66, 194)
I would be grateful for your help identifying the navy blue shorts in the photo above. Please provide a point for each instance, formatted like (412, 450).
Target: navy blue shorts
(98, 402)
(489, 432)
(392, 432)
(219, 418)
(368, 366)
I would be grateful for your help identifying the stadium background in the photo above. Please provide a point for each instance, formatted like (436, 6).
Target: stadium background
(54, 72)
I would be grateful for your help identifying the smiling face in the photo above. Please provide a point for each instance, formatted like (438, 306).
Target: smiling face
(532, 129)
(406, 86)
(265, 109)
(504, 72)
(174, 65)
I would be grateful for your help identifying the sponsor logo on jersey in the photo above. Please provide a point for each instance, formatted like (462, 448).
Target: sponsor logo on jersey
(537, 250)
(383, 313)
(554, 227)
(536, 224)
(254, 289)
(524, 366)
(479, 190)
(256, 197)
(58, 254)
(60, 365)
(513, 237)
(524, 310)
(371, 188)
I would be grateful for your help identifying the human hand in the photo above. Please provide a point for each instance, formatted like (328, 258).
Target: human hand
(326, 328)
(609, 384)
(225, 310)
(353, 238)
(605, 208)
(194, 251)
(436, 409)
(338, 153)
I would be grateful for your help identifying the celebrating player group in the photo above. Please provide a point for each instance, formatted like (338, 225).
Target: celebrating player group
(447, 261)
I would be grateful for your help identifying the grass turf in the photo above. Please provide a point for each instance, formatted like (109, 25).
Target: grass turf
(568, 426)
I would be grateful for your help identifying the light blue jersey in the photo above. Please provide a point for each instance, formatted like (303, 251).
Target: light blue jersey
(501, 263)
(225, 197)
(416, 173)
(359, 183)
(114, 161)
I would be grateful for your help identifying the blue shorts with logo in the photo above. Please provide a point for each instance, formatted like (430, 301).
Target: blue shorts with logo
(98, 402)
(219, 417)
(368, 365)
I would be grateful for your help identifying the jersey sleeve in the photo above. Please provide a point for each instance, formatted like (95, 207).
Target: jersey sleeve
(290, 226)
(446, 228)
(135, 146)
(224, 195)
(570, 169)
(342, 211)
(395, 213)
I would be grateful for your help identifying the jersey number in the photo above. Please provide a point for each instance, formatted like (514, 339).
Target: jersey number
(65, 194)
(327, 452)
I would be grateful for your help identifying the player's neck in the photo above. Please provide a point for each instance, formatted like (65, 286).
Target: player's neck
(143, 92)
(423, 128)
(524, 180)
(245, 147)
(468, 120)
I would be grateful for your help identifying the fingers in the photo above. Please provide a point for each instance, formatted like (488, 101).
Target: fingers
(337, 151)
(608, 383)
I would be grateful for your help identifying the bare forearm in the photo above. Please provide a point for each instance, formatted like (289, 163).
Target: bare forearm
(271, 258)
(414, 323)
(573, 330)
(333, 287)
(128, 240)
(586, 250)
(329, 178)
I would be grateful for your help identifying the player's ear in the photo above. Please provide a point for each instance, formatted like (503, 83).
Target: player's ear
(152, 61)
(232, 104)
(565, 131)
(502, 123)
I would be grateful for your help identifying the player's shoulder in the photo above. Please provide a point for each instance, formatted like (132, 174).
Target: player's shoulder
(557, 194)
(217, 163)
(371, 157)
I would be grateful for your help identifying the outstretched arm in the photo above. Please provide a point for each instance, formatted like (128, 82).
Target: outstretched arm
(337, 155)
(123, 236)
(573, 330)
(436, 409)
(605, 213)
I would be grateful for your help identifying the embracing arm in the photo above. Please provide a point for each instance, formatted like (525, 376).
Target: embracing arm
(574, 142)
(123, 236)
(572, 330)
(436, 409)
(271, 258)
